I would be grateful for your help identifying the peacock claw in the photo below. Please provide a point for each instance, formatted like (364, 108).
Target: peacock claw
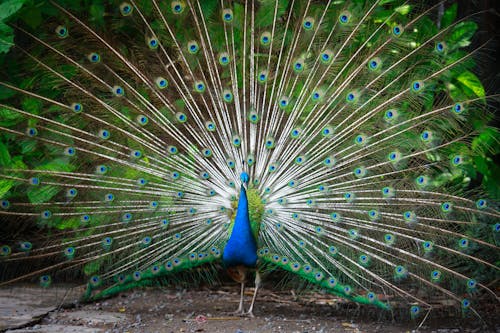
(248, 314)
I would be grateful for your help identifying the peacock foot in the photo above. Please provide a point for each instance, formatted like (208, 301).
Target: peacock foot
(248, 314)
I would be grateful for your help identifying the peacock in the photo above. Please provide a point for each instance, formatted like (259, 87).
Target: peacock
(338, 142)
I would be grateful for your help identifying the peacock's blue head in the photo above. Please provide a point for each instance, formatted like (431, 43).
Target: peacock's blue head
(244, 177)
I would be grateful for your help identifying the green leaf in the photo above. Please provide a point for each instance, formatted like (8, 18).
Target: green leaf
(461, 34)
(449, 16)
(383, 2)
(7, 9)
(10, 7)
(491, 181)
(471, 81)
(6, 38)
(403, 10)
(32, 17)
(5, 158)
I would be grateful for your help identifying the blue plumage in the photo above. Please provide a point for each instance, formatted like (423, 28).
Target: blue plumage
(241, 248)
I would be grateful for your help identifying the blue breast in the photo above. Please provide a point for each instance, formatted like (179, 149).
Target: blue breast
(241, 248)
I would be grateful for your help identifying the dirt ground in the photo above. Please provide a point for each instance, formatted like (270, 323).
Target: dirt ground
(209, 310)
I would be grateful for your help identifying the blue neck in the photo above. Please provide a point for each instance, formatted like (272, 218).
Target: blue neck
(241, 248)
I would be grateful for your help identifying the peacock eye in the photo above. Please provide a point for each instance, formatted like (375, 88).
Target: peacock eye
(126, 9)
(118, 91)
(76, 107)
(181, 117)
(210, 126)
(207, 152)
(227, 15)
(298, 66)
(153, 43)
(199, 87)
(265, 38)
(224, 59)
(30, 131)
(193, 47)
(172, 150)
(94, 57)
(228, 97)
(262, 77)
(161, 82)
(458, 108)
(326, 57)
(374, 64)
(136, 154)
(62, 31)
(457, 160)
(308, 23)
(253, 117)
(416, 86)
(177, 7)
(397, 30)
(344, 17)
(142, 120)
(440, 47)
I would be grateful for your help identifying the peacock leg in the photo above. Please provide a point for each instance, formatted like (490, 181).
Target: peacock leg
(240, 307)
(257, 285)
(238, 274)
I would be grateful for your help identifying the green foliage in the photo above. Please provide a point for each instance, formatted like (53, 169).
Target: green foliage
(471, 84)
(7, 9)
(485, 145)
(462, 34)
(449, 16)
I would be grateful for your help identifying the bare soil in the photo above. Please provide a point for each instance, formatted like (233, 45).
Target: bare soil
(209, 310)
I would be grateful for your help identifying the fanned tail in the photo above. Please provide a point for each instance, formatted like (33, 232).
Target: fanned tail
(125, 132)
